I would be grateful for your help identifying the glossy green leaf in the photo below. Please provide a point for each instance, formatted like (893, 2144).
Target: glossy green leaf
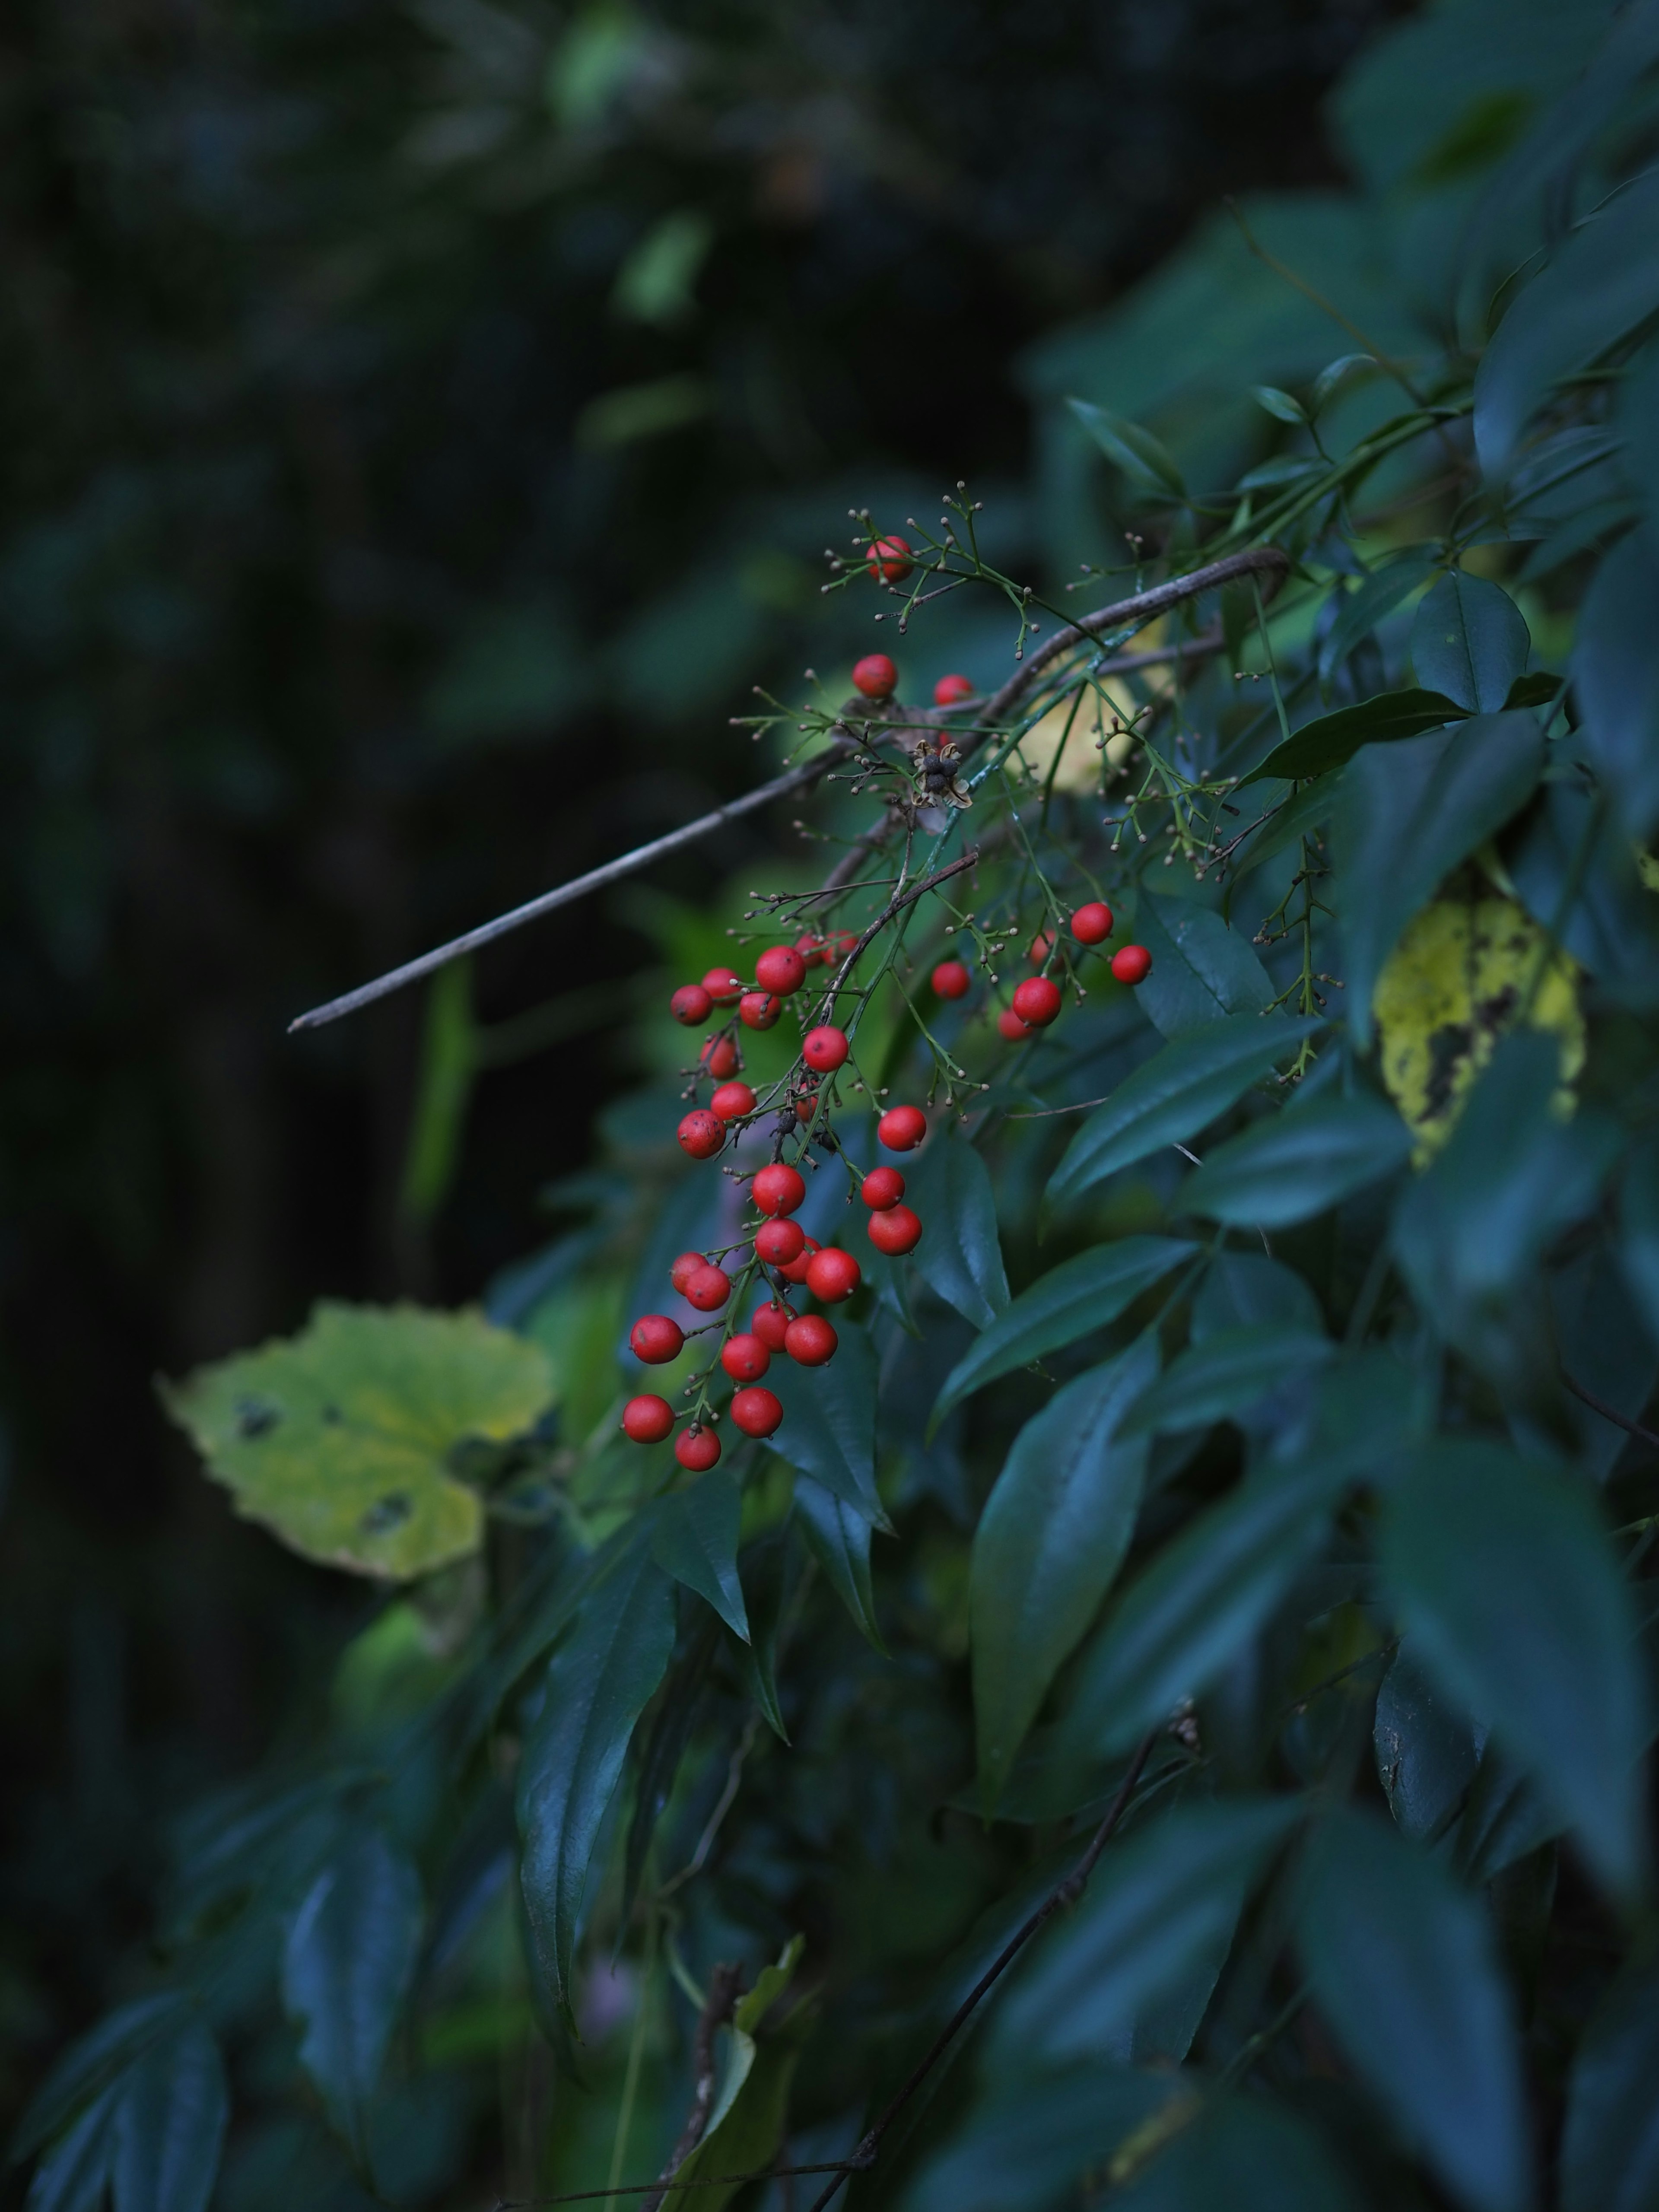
(1470, 641)
(92, 2063)
(1202, 970)
(1248, 1289)
(1372, 602)
(1610, 2143)
(1326, 743)
(1280, 404)
(1507, 1583)
(840, 1539)
(170, 2126)
(1027, 2142)
(959, 1256)
(1049, 1543)
(695, 1542)
(73, 2173)
(1427, 1751)
(1574, 867)
(830, 1420)
(596, 1685)
(1173, 1095)
(1072, 1300)
(1403, 1966)
(1504, 1821)
(1288, 1167)
(1409, 813)
(747, 2124)
(1246, 2155)
(1615, 673)
(1142, 457)
(675, 1717)
(1221, 1379)
(347, 1966)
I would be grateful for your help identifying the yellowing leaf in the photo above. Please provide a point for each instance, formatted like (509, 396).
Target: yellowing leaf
(338, 1439)
(1452, 987)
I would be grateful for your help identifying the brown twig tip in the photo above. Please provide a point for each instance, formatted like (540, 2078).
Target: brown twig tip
(725, 1985)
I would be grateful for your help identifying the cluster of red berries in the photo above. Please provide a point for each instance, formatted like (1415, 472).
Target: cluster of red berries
(1037, 1000)
(877, 677)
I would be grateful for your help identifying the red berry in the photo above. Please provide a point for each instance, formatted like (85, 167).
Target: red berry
(781, 969)
(951, 980)
(708, 1290)
(841, 943)
(1039, 947)
(1037, 1001)
(1010, 1025)
(951, 690)
(889, 559)
(691, 1004)
(875, 676)
(882, 1188)
(807, 1104)
(697, 1448)
(901, 1128)
(701, 1133)
(778, 1242)
(655, 1339)
(896, 1230)
(718, 1058)
(832, 1274)
(732, 1101)
(795, 1271)
(824, 1049)
(746, 1358)
(812, 950)
(758, 1009)
(770, 1323)
(809, 1340)
(1092, 924)
(778, 1188)
(684, 1268)
(723, 987)
(647, 1419)
(1132, 965)
(756, 1412)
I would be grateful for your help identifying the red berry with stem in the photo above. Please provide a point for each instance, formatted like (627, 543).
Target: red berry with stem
(745, 1359)
(759, 1010)
(889, 558)
(810, 1341)
(882, 1188)
(896, 1230)
(875, 675)
(781, 970)
(684, 1268)
(901, 1128)
(795, 1271)
(701, 1133)
(1010, 1026)
(647, 1419)
(832, 1274)
(655, 1339)
(697, 1448)
(1039, 947)
(691, 1004)
(724, 987)
(951, 980)
(778, 1188)
(951, 690)
(1132, 965)
(718, 1058)
(812, 950)
(770, 1323)
(841, 943)
(807, 1104)
(708, 1290)
(756, 1412)
(777, 1242)
(1037, 1001)
(1092, 924)
(825, 1049)
(732, 1101)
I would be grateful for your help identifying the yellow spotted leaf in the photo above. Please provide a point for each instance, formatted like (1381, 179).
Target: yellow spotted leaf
(338, 1439)
(1454, 983)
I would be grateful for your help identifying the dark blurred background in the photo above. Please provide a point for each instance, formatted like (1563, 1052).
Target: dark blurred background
(423, 424)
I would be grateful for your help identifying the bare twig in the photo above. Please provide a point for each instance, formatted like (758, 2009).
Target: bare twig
(894, 906)
(644, 2188)
(724, 1984)
(1600, 1406)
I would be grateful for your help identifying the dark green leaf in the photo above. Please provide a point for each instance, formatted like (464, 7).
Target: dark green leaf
(1247, 1290)
(1296, 1164)
(1638, 1221)
(597, 1684)
(1298, 814)
(659, 1765)
(1321, 745)
(1470, 641)
(1615, 673)
(1049, 1543)
(1610, 2145)
(73, 2174)
(1174, 1095)
(92, 2063)
(959, 1256)
(1427, 1754)
(695, 1542)
(1403, 1966)
(1508, 1586)
(839, 1539)
(1575, 871)
(1202, 969)
(170, 2127)
(347, 1966)
(1136, 450)
(1504, 1821)
(1072, 1300)
(830, 1421)
(1605, 1348)
(1539, 688)
(1368, 1406)
(1025, 2143)
(1247, 2154)
(1377, 597)
(1224, 1378)
(1277, 402)
(1409, 813)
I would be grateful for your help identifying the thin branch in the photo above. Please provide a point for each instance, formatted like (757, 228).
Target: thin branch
(1600, 1406)
(724, 1983)
(894, 906)
(644, 2188)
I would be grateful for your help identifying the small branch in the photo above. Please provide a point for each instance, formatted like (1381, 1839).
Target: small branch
(1600, 1406)
(905, 898)
(724, 1984)
(644, 2188)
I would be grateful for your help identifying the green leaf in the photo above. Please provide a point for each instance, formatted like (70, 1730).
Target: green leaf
(1408, 814)
(1206, 1593)
(1049, 1546)
(746, 2125)
(597, 1683)
(1377, 597)
(1247, 1290)
(1610, 2144)
(830, 1421)
(660, 1763)
(1615, 673)
(1427, 1754)
(1508, 1588)
(1224, 1378)
(840, 1539)
(1279, 403)
(1174, 1095)
(92, 2063)
(1028, 2142)
(1136, 450)
(1504, 1821)
(1167, 1896)
(1638, 1221)
(170, 2126)
(339, 1438)
(1247, 2154)
(960, 1256)
(695, 1542)
(74, 2173)
(1403, 1966)
(1470, 641)
(347, 1966)
(1321, 745)
(1072, 1300)
(1287, 1169)
(1202, 969)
